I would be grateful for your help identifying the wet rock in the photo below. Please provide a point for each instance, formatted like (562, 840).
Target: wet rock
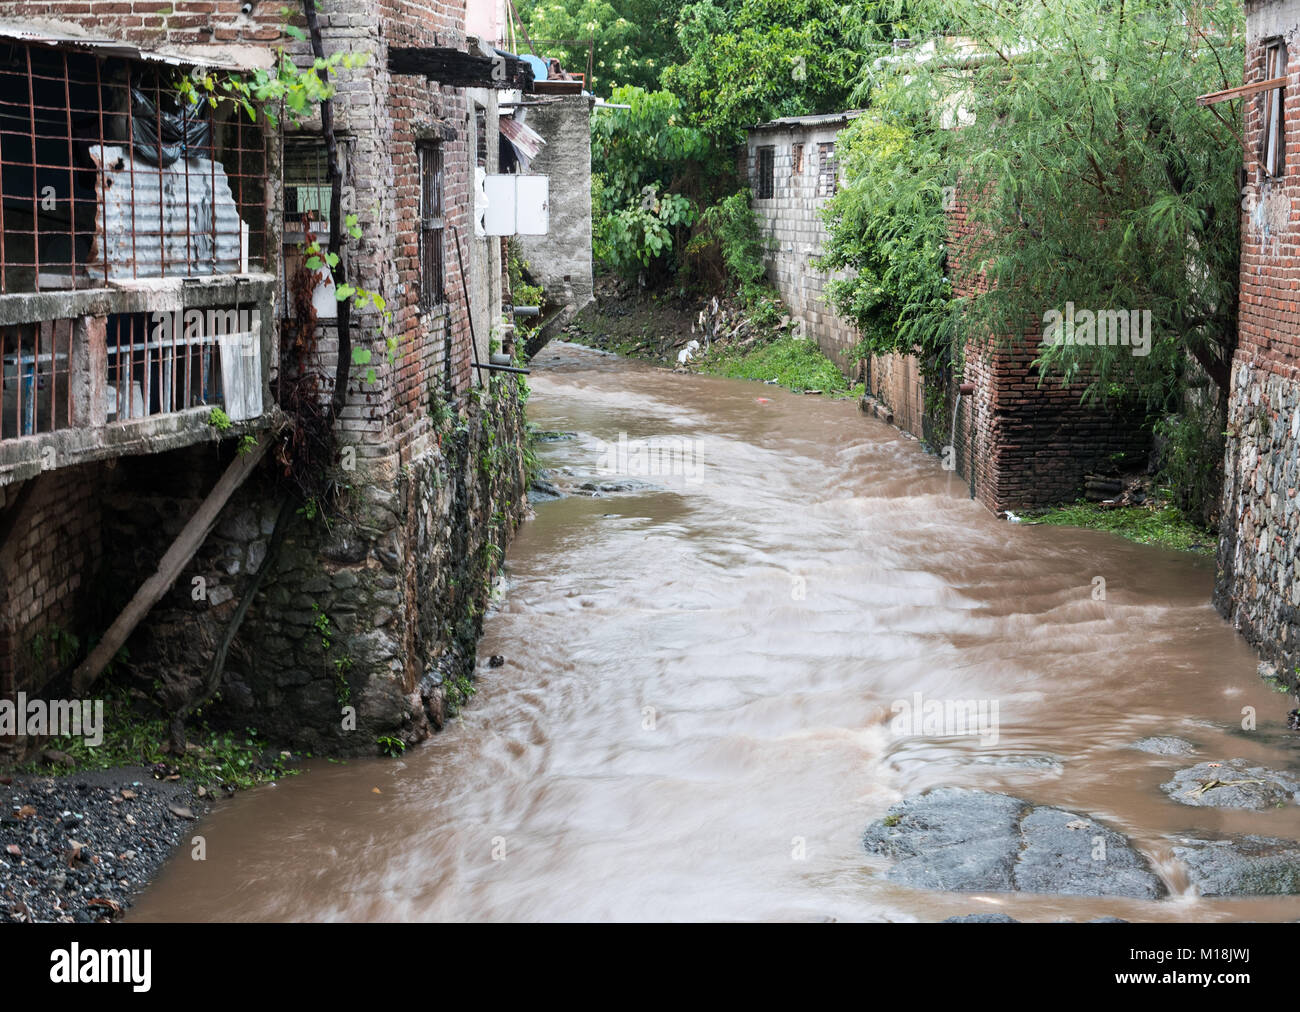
(981, 919)
(1233, 784)
(1026, 761)
(542, 490)
(1075, 855)
(621, 485)
(1242, 866)
(962, 840)
(1164, 745)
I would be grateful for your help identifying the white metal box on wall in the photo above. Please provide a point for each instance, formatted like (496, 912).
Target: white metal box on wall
(513, 205)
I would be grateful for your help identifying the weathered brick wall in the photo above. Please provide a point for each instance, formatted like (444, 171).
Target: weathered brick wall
(896, 381)
(1027, 444)
(51, 555)
(400, 572)
(155, 23)
(1258, 587)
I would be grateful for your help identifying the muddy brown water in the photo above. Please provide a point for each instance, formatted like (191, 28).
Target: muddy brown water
(695, 718)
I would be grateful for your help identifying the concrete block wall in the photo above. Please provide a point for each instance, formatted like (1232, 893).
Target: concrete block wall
(791, 221)
(1258, 585)
(561, 260)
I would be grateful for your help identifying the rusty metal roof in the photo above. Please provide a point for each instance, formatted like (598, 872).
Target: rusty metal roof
(527, 141)
(64, 36)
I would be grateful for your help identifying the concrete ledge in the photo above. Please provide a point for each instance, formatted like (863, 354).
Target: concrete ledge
(28, 456)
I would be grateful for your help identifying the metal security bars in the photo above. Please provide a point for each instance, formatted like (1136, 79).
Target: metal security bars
(432, 275)
(766, 171)
(37, 390)
(106, 175)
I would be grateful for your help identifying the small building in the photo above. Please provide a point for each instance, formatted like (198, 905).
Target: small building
(1017, 444)
(155, 314)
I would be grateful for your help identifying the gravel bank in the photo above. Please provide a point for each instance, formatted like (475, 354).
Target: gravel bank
(78, 848)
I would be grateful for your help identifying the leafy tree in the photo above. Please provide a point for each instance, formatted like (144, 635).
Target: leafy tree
(642, 154)
(632, 40)
(759, 59)
(1100, 181)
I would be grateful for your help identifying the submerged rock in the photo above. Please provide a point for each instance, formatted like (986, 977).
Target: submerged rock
(1233, 784)
(1165, 745)
(962, 840)
(1242, 866)
(618, 485)
(981, 919)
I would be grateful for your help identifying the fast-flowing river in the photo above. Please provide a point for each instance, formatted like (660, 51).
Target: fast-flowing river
(696, 714)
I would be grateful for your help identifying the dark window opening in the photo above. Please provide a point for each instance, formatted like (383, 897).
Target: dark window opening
(432, 281)
(766, 170)
(796, 160)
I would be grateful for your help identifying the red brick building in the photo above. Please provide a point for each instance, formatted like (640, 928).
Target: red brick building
(1258, 587)
(111, 445)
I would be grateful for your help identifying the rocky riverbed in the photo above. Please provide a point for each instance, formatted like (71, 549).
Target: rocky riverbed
(962, 840)
(78, 848)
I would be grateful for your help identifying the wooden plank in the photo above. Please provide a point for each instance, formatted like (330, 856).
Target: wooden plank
(455, 68)
(175, 559)
(1215, 97)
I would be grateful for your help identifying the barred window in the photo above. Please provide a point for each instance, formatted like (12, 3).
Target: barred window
(796, 159)
(766, 169)
(828, 170)
(432, 281)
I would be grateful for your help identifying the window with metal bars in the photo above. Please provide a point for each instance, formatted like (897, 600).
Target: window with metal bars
(106, 174)
(1274, 140)
(766, 171)
(432, 275)
(796, 159)
(480, 132)
(828, 170)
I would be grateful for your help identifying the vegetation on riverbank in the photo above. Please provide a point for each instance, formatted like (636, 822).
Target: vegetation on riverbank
(1163, 525)
(214, 758)
(792, 362)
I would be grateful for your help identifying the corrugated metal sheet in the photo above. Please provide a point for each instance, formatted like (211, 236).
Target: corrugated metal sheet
(527, 141)
(198, 231)
(224, 57)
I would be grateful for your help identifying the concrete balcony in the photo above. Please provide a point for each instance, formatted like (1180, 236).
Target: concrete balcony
(134, 368)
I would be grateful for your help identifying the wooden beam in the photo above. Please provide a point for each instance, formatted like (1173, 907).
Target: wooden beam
(176, 558)
(1215, 97)
(458, 69)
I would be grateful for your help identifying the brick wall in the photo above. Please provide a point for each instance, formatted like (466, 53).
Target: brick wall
(51, 554)
(1258, 586)
(419, 493)
(1026, 444)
